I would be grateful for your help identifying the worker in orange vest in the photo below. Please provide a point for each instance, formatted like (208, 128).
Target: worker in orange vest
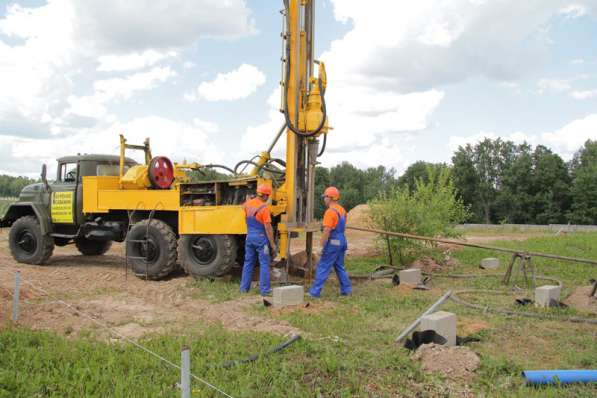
(259, 244)
(334, 246)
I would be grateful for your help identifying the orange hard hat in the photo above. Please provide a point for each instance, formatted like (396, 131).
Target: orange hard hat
(264, 189)
(332, 193)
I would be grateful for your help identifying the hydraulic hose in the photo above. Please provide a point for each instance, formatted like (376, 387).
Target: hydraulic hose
(504, 311)
(263, 167)
(254, 357)
(219, 166)
(325, 141)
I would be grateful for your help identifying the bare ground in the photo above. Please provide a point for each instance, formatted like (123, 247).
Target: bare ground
(99, 286)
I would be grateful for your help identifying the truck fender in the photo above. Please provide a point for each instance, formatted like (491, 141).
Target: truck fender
(18, 210)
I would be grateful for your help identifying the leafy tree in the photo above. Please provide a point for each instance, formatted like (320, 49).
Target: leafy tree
(551, 186)
(584, 185)
(418, 170)
(478, 173)
(11, 186)
(432, 209)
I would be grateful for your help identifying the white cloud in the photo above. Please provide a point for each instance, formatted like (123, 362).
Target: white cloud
(565, 141)
(572, 136)
(577, 61)
(131, 61)
(133, 25)
(555, 85)
(177, 140)
(115, 90)
(234, 85)
(54, 50)
(583, 95)
(574, 10)
(416, 46)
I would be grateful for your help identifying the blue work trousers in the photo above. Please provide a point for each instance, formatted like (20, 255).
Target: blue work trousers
(256, 249)
(332, 257)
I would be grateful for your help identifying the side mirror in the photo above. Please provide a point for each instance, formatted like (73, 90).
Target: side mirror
(44, 179)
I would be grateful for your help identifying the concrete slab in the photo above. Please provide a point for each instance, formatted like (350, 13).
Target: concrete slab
(443, 323)
(490, 263)
(288, 295)
(411, 276)
(545, 295)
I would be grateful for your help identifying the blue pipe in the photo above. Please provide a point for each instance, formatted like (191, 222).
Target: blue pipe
(560, 376)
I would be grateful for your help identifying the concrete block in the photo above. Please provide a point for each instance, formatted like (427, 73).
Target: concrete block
(490, 263)
(545, 294)
(443, 323)
(410, 276)
(288, 295)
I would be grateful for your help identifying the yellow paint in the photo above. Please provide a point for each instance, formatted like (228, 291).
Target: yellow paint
(62, 207)
(136, 178)
(102, 194)
(212, 220)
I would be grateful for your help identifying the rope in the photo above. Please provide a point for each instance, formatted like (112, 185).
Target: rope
(120, 335)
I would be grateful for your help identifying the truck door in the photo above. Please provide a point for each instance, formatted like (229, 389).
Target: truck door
(64, 194)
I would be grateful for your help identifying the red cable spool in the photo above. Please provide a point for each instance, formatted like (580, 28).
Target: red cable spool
(161, 172)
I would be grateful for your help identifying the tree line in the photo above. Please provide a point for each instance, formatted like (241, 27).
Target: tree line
(498, 181)
(11, 186)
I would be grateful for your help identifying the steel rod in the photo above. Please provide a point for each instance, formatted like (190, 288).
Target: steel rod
(15, 298)
(185, 373)
(460, 243)
(411, 328)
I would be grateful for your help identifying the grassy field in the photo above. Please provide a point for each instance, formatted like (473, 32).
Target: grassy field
(348, 349)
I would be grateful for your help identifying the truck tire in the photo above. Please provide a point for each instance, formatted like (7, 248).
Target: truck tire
(151, 248)
(27, 243)
(204, 256)
(88, 247)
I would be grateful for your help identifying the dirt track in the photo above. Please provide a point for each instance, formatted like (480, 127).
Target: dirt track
(134, 307)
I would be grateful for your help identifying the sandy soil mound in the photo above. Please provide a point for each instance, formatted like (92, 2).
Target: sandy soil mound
(454, 363)
(360, 216)
(581, 301)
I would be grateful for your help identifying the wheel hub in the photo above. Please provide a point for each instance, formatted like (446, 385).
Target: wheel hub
(149, 250)
(27, 242)
(204, 249)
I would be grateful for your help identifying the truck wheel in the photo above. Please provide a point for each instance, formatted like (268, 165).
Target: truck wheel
(27, 243)
(151, 249)
(88, 247)
(207, 255)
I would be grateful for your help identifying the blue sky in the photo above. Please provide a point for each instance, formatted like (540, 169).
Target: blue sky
(407, 81)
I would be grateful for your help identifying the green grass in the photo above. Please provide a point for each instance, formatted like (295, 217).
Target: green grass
(348, 349)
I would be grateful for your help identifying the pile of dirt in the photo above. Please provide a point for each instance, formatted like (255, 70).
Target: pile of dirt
(426, 264)
(580, 300)
(360, 216)
(454, 363)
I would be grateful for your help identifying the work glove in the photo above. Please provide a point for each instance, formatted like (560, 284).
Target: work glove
(275, 251)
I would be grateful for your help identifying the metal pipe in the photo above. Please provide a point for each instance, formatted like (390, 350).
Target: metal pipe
(275, 141)
(185, 373)
(411, 328)
(16, 297)
(466, 244)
